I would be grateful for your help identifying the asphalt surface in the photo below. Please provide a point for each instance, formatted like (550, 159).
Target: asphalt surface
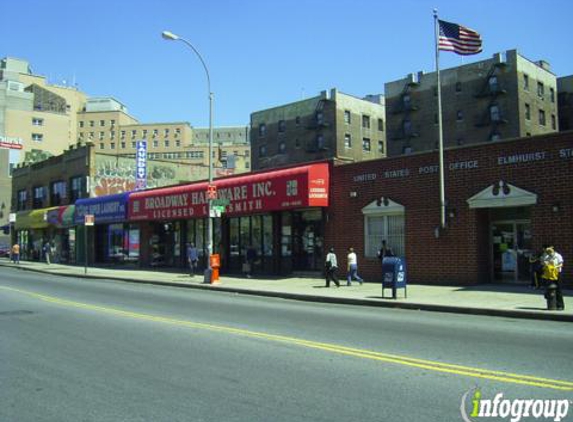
(102, 350)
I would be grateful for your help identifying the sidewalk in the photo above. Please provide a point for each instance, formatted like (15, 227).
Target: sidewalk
(486, 299)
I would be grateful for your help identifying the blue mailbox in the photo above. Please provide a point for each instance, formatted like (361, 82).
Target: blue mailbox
(394, 275)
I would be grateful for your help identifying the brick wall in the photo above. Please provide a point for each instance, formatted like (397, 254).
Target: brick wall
(461, 254)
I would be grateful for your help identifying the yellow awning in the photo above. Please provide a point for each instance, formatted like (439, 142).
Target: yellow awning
(34, 219)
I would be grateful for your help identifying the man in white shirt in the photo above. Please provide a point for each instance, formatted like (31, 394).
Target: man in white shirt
(352, 268)
(331, 265)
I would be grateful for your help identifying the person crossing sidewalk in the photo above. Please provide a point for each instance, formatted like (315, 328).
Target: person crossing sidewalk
(352, 267)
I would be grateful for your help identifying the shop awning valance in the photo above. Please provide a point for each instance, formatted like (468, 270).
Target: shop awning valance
(33, 219)
(61, 216)
(296, 187)
(105, 209)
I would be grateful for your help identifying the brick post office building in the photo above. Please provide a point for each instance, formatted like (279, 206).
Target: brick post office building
(504, 201)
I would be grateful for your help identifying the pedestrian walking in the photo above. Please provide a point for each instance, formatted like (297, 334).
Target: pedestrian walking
(192, 258)
(352, 268)
(551, 273)
(331, 267)
(54, 253)
(47, 252)
(16, 253)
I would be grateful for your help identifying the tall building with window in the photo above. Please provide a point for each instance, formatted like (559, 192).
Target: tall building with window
(39, 119)
(330, 125)
(507, 96)
(565, 102)
(107, 123)
(36, 118)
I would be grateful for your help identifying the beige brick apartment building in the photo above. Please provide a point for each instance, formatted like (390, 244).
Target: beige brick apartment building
(507, 96)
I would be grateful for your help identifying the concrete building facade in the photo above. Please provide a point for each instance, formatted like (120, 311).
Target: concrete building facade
(107, 123)
(39, 119)
(35, 117)
(507, 96)
(565, 102)
(331, 125)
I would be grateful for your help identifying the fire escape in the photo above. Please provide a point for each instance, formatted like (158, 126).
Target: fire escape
(492, 90)
(405, 107)
(317, 123)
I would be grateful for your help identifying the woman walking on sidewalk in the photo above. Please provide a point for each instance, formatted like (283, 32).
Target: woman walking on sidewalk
(352, 268)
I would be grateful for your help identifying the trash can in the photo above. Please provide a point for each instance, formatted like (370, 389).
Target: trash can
(394, 275)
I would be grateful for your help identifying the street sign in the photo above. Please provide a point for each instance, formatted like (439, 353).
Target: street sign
(212, 192)
(10, 142)
(220, 202)
(89, 219)
(12, 217)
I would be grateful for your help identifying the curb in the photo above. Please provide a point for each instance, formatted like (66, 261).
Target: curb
(507, 313)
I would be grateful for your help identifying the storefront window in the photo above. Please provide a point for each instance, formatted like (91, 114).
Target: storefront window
(245, 234)
(256, 234)
(268, 235)
(176, 227)
(234, 245)
(217, 236)
(116, 251)
(200, 237)
(133, 243)
(286, 234)
(72, 246)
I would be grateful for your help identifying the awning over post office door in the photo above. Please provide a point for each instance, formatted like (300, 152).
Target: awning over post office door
(502, 194)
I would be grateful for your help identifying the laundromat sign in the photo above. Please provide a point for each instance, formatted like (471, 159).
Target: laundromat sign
(106, 209)
(305, 186)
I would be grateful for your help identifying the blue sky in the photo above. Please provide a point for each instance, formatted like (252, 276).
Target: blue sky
(261, 53)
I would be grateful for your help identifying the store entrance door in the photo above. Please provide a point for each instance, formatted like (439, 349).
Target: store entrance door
(308, 235)
(511, 249)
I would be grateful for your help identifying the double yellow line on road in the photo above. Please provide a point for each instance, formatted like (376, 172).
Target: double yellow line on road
(429, 365)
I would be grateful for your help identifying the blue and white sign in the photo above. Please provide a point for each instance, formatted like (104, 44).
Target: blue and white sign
(141, 165)
(105, 209)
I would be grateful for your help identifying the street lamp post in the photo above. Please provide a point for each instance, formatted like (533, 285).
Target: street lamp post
(172, 37)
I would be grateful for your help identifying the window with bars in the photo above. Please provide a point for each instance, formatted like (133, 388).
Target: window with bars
(22, 199)
(384, 227)
(39, 197)
(58, 192)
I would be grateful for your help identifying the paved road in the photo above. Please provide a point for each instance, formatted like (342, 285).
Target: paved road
(96, 350)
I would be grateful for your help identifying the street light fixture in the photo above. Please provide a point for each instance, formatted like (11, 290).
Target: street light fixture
(170, 36)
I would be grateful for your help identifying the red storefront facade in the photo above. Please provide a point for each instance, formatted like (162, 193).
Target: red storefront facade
(504, 201)
(278, 213)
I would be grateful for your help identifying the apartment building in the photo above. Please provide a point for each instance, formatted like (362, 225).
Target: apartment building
(107, 123)
(507, 96)
(565, 102)
(35, 117)
(331, 125)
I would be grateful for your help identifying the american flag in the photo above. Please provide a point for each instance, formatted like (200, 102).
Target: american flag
(459, 39)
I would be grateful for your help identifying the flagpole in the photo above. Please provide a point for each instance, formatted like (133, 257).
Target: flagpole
(440, 129)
